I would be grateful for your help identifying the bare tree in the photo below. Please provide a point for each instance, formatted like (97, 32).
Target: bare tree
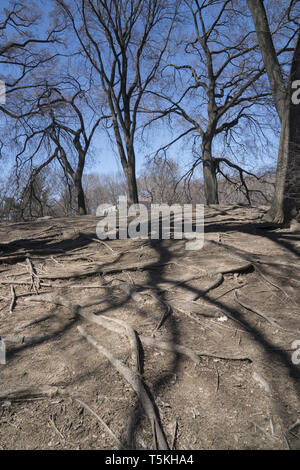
(62, 127)
(159, 181)
(24, 50)
(224, 91)
(103, 189)
(286, 202)
(125, 42)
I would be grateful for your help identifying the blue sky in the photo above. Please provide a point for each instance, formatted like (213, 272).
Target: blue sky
(104, 159)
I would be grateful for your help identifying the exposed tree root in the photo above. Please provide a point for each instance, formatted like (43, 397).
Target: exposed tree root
(222, 270)
(277, 263)
(133, 340)
(270, 282)
(24, 339)
(106, 322)
(36, 320)
(260, 314)
(136, 383)
(97, 240)
(15, 283)
(219, 280)
(33, 392)
(100, 269)
(193, 355)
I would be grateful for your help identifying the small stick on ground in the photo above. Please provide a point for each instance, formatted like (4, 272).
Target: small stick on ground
(109, 431)
(35, 280)
(192, 317)
(13, 301)
(51, 420)
(218, 379)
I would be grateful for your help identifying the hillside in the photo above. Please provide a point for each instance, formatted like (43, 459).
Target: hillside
(205, 338)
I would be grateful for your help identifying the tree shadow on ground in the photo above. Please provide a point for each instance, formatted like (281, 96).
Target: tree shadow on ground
(155, 277)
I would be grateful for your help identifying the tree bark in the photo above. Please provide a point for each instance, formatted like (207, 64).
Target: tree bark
(130, 174)
(209, 173)
(132, 185)
(293, 174)
(286, 203)
(80, 198)
(269, 55)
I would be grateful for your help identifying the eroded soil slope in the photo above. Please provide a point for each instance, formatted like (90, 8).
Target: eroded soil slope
(204, 338)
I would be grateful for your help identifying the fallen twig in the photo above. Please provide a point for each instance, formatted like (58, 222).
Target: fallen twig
(52, 422)
(164, 316)
(13, 300)
(35, 280)
(109, 431)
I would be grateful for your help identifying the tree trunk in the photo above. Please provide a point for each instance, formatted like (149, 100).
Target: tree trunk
(79, 193)
(209, 173)
(130, 174)
(269, 54)
(277, 212)
(286, 202)
(131, 185)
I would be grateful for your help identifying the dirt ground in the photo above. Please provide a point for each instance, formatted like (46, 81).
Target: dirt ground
(234, 306)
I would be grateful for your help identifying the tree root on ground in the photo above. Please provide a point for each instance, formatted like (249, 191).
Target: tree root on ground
(136, 383)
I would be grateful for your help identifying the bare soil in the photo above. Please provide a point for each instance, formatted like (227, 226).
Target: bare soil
(235, 303)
